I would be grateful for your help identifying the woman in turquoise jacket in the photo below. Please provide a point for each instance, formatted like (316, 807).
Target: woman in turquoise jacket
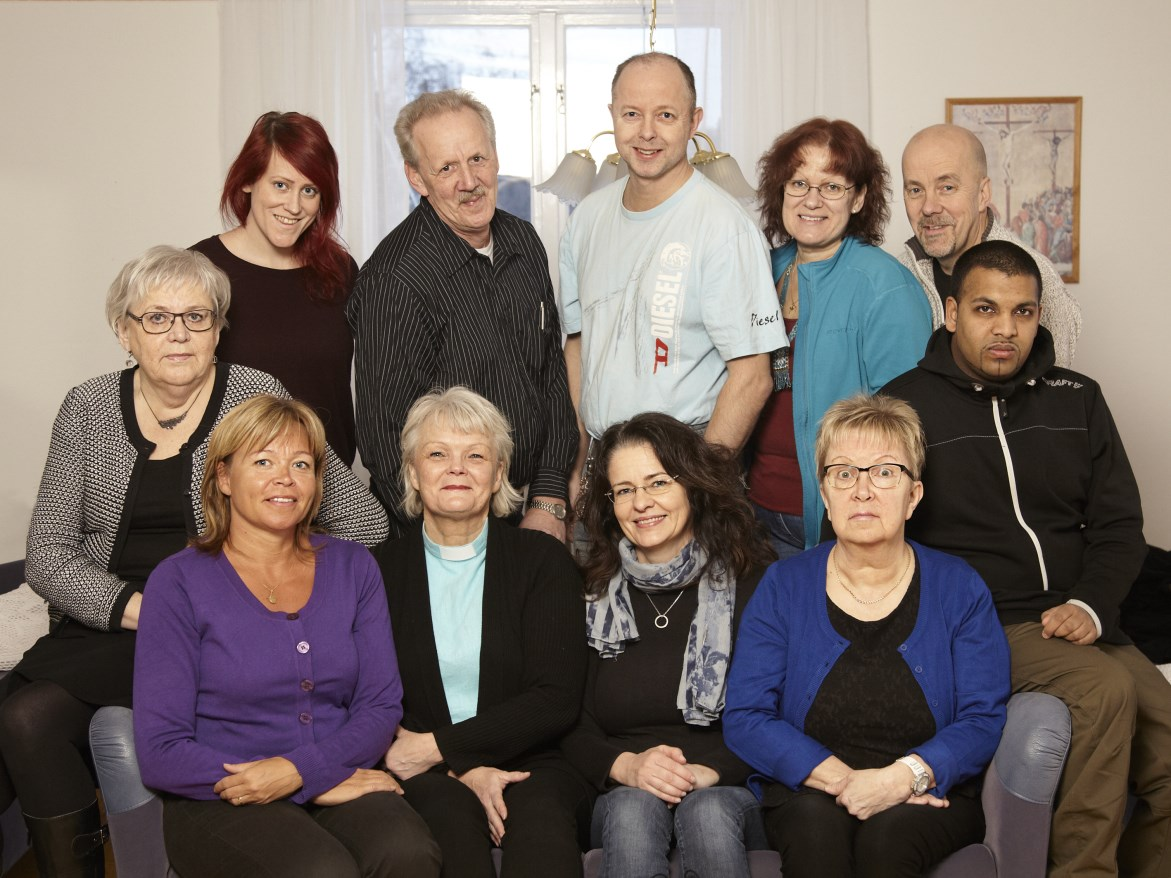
(855, 317)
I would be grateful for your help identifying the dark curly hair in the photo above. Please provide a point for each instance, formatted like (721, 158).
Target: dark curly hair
(722, 520)
(850, 155)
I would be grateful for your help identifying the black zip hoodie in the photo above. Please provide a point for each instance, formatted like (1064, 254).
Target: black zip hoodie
(1028, 481)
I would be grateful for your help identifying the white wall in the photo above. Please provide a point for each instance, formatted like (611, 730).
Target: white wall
(109, 113)
(1115, 56)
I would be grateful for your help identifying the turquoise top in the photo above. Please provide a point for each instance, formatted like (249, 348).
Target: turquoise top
(455, 578)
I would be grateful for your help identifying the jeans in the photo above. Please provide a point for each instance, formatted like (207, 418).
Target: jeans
(712, 827)
(785, 532)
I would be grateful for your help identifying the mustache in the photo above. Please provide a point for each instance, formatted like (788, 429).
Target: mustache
(936, 223)
(478, 192)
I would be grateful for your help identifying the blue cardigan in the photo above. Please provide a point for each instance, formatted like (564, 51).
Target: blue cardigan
(957, 652)
(864, 320)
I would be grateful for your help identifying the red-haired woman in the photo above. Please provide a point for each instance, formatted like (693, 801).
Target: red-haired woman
(855, 317)
(290, 274)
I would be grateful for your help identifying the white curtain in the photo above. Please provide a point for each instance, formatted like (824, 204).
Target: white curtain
(780, 62)
(340, 61)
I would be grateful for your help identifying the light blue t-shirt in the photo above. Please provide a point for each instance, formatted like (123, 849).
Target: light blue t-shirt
(455, 578)
(662, 299)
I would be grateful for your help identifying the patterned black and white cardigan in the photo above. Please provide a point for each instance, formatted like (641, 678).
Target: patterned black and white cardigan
(96, 458)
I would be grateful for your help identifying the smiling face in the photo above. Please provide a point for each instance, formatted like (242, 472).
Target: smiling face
(179, 357)
(272, 487)
(659, 525)
(455, 473)
(457, 172)
(945, 191)
(818, 225)
(863, 515)
(653, 122)
(994, 322)
(284, 204)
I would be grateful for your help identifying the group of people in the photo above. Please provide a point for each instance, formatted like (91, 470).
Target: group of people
(953, 509)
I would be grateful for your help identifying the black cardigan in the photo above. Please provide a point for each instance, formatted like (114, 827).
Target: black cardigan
(532, 648)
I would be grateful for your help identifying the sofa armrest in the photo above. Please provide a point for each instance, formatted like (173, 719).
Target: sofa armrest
(1021, 783)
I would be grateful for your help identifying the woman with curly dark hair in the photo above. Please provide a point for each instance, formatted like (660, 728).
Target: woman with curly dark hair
(674, 554)
(855, 317)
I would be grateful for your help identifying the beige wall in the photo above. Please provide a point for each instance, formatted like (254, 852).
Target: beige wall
(1115, 56)
(109, 113)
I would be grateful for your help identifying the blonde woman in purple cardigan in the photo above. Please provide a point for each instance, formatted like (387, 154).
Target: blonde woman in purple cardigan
(266, 686)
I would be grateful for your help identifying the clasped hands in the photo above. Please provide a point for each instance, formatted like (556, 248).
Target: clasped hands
(662, 771)
(866, 792)
(267, 780)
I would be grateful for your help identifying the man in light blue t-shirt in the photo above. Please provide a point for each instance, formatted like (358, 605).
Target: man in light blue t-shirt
(666, 291)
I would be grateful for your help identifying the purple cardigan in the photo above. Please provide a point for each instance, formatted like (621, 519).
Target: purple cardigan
(219, 678)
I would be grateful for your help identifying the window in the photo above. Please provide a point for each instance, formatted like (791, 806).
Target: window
(544, 68)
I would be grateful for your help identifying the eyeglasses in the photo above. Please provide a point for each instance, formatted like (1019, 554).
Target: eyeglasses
(828, 191)
(882, 475)
(627, 493)
(158, 322)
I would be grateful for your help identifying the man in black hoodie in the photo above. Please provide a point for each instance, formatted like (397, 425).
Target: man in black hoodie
(1027, 480)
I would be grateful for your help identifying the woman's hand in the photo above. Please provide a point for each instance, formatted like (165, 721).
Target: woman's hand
(358, 784)
(488, 784)
(130, 613)
(412, 753)
(662, 771)
(704, 777)
(258, 783)
(871, 791)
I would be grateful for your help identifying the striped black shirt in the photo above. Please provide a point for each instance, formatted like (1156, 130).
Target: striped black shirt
(429, 311)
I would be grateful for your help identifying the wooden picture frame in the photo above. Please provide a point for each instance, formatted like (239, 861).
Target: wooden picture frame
(1034, 148)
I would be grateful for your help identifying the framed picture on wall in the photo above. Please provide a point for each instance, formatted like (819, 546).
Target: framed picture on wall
(1034, 163)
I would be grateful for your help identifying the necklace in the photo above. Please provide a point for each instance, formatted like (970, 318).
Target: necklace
(661, 620)
(878, 600)
(272, 592)
(170, 423)
(791, 296)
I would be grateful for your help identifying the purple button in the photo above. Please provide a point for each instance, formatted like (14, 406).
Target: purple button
(305, 719)
(303, 647)
(307, 685)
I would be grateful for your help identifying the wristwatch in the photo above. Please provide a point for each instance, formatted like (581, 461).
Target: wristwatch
(557, 510)
(921, 781)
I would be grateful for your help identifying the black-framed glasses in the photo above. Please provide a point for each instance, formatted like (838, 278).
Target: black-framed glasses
(627, 493)
(882, 475)
(158, 322)
(828, 191)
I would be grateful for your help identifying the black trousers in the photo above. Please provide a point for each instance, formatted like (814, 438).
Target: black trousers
(375, 835)
(548, 822)
(818, 838)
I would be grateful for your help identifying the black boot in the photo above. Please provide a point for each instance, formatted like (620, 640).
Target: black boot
(69, 846)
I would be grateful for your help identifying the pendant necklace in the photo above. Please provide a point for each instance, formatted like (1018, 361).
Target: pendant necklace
(877, 600)
(661, 620)
(170, 423)
(272, 592)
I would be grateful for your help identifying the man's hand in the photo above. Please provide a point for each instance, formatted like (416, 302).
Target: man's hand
(488, 784)
(547, 522)
(412, 753)
(358, 784)
(1069, 622)
(258, 783)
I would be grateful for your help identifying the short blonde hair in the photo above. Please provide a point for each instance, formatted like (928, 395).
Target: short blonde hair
(884, 417)
(436, 103)
(464, 411)
(164, 267)
(253, 424)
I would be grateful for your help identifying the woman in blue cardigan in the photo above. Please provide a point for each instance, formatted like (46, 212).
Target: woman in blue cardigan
(871, 674)
(855, 317)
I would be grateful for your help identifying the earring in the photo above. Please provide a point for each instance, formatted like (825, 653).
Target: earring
(130, 362)
(214, 359)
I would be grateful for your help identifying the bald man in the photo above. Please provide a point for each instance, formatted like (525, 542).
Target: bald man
(947, 194)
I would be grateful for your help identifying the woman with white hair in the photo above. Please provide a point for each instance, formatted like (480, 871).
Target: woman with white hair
(487, 623)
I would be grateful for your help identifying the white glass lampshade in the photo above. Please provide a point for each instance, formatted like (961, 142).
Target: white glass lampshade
(573, 179)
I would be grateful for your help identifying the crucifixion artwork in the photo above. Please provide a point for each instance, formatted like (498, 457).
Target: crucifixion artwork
(1034, 163)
